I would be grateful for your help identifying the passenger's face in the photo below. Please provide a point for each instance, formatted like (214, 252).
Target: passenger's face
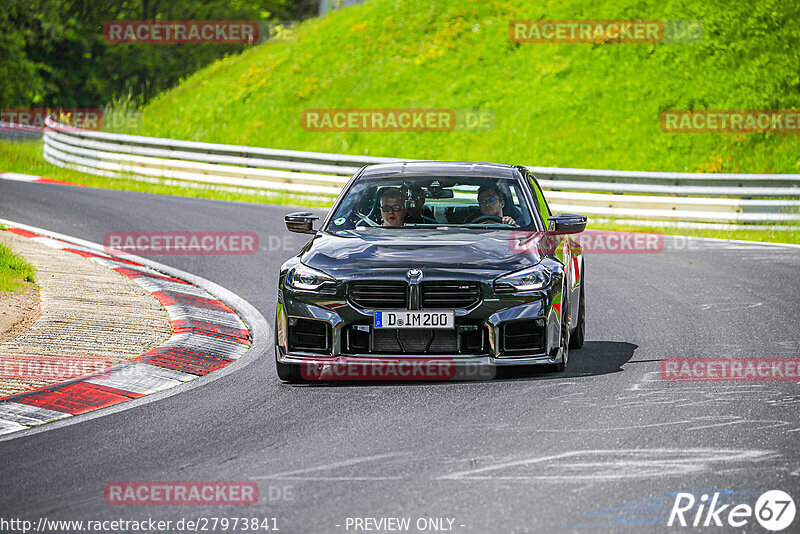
(388, 206)
(491, 203)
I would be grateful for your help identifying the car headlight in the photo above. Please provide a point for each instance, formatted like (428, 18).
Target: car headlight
(529, 279)
(305, 278)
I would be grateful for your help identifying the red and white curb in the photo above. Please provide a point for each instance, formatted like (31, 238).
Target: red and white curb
(207, 335)
(17, 177)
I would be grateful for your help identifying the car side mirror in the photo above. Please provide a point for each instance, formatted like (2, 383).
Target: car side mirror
(567, 223)
(301, 222)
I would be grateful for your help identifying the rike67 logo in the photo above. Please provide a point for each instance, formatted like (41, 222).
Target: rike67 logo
(774, 510)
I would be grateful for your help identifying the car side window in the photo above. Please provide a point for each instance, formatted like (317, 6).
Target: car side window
(544, 209)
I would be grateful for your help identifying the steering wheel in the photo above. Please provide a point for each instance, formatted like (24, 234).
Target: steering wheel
(482, 218)
(365, 219)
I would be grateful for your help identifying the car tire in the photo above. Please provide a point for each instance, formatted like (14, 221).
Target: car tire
(565, 342)
(578, 335)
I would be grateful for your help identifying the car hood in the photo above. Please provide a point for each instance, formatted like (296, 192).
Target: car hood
(449, 249)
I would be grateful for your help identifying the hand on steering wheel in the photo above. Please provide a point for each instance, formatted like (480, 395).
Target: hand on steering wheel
(494, 218)
(482, 218)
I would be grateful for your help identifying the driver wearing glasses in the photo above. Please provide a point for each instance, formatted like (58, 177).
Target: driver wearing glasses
(393, 206)
(491, 202)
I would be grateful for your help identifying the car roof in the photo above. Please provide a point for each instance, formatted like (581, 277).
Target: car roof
(440, 168)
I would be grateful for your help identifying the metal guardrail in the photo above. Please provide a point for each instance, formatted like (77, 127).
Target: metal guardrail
(646, 196)
(9, 130)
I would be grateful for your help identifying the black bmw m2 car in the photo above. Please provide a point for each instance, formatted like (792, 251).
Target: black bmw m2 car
(431, 270)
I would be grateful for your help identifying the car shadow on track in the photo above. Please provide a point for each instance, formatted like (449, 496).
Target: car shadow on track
(595, 358)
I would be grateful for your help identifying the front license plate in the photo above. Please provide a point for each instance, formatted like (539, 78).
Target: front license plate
(415, 319)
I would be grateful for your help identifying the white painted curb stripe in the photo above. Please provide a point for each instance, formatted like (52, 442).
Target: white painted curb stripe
(17, 177)
(7, 427)
(183, 311)
(206, 345)
(142, 378)
(114, 264)
(27, 414)
(154, 285)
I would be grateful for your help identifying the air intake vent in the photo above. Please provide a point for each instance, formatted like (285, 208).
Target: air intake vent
(309, 335)
(415, 341)
(379, 295)
(450, 295)
(523, 337)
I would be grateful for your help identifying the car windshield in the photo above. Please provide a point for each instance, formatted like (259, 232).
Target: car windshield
(420, 202)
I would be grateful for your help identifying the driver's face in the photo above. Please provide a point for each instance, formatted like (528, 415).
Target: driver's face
(388, 206)
(491, 204)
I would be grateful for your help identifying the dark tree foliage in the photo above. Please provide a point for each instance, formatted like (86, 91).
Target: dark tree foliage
(53, 54)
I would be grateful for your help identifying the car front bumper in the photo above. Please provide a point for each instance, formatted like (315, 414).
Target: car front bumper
(406, 367)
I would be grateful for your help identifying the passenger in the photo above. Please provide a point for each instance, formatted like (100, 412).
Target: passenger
(393, 206)
(491, 202)
(418, 212)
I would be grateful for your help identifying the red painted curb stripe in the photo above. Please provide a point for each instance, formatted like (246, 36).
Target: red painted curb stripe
(183, 360)
(134, 273)
(23, 233)
(186, 326)
(43, 180)
(73, 398)
(169, 298)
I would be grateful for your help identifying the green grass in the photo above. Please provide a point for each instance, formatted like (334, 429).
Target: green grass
(14, 271)
(568, 105)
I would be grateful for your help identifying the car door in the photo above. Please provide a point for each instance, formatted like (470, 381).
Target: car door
(568, 251)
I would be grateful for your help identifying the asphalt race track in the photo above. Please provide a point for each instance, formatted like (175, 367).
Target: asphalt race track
(603, 447)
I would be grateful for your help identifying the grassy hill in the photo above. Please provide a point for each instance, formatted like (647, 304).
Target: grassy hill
(569, 105)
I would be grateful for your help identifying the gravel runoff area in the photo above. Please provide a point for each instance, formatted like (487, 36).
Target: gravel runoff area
(89, 314)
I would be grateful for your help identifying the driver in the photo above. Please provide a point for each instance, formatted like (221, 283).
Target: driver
(491, 202)
(393, 206)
